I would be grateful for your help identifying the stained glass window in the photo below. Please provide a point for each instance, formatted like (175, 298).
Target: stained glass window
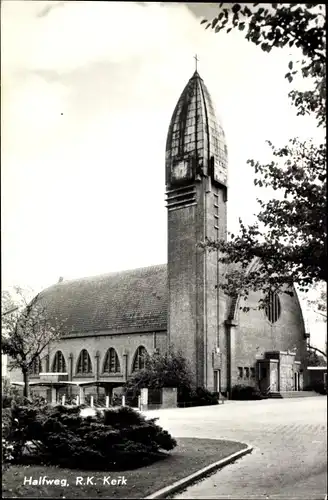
(112, 363)
(139, 359)
(273, 307)
(84, 363)
(59, 365)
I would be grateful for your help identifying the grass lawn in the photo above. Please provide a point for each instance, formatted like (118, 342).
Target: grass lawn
(189, 456)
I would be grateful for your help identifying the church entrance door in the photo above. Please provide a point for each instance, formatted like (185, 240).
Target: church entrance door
(263, 376)
(274, 377)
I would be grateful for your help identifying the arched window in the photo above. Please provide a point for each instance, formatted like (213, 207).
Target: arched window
(273, 307)
(59, 365)
(139, 359)
(111, 363)
(36, 366)
(84, 363)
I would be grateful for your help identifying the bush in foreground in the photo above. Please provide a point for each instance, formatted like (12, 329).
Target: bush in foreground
(245, 392)
(114, 439)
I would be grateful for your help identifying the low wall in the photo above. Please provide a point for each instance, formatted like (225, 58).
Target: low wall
(169, 397)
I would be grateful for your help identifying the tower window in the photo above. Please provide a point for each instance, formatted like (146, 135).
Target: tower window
(246, 372)
(240, 372)
(273, 307)
(252, 372)
(84, 363)
(59, 365)
(112, 363)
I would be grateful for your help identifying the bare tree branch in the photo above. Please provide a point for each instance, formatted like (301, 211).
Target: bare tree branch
(28, 330)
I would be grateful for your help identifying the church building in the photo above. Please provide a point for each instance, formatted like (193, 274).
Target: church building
(114, 320)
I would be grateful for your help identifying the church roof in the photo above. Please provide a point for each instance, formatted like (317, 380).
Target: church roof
(120, 302)
(194, 129)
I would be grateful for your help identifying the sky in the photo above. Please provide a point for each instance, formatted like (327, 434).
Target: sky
(88, 90)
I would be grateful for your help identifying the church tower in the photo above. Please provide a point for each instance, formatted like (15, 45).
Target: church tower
(196, 190)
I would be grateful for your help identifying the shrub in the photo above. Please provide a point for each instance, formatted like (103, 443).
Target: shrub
(9, 392)
(185, 394)
(9, 399)
(7, 446)
(7, 453)
(245, 392)
(169, 369)
(123, 417)
(318, 387)
(119, 438)
(199, 397)
(117, 400)
(203, 397)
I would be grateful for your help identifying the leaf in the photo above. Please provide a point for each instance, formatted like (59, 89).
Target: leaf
(215, 22)
(236, 8)
(241, 26)
(290, 65)
(289, 77)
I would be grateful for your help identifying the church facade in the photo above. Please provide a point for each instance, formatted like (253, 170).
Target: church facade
(112, 321)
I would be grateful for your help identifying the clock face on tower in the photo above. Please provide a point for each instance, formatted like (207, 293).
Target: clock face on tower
(220, 172)
(180, 171)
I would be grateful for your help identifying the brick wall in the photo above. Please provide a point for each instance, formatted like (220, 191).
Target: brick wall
(100, 343)
(215, 310)
(169, 397)
(255, 335)
(182, 281)
(192, 279)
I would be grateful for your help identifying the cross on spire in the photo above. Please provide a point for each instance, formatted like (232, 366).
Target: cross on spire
(196, 60)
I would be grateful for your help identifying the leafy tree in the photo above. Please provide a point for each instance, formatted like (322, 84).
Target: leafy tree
(315, 359)
(289, 236)
(320, 304)
(27, 330)
(170, 369)
(275, 25)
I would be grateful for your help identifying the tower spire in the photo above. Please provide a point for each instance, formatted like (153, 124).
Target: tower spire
(196, 61)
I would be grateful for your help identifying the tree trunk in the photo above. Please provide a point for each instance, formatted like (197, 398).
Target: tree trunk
(26, 391)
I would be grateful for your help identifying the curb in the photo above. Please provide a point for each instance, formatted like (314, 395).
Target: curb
(186, 481)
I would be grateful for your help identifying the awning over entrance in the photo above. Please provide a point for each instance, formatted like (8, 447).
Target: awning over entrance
(56, 382)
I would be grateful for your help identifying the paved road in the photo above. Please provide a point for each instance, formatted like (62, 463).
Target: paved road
(289, 436)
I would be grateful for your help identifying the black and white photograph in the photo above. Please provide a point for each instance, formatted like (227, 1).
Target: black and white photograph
(164, 250)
